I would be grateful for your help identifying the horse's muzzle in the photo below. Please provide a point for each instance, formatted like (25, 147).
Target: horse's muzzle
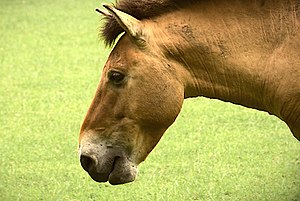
(106, 163)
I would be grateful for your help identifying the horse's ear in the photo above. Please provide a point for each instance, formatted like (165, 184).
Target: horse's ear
(131, 25)
(104, 12)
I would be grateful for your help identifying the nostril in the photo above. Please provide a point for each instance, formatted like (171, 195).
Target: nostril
(86, 162)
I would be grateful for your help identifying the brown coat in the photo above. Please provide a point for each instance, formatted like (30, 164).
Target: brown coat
(244, 52)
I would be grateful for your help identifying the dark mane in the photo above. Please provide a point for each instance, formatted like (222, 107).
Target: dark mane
(140, 9)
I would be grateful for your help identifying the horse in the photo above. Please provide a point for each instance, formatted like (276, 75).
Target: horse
(240, 51)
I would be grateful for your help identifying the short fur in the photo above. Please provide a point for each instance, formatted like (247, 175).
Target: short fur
(245, 52)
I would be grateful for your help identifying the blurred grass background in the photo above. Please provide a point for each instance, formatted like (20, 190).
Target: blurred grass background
(50, 64)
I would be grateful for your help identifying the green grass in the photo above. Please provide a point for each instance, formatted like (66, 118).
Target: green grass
(50, 62)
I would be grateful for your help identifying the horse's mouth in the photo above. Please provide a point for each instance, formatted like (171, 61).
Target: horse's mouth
(118, 170)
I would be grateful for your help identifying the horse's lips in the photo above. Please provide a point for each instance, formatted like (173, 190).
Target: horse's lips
(118, 171)
(123, 171)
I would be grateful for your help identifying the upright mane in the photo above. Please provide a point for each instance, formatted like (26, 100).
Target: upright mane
(141, 10)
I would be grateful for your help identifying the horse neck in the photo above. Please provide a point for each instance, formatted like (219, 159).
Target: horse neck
(225, 55)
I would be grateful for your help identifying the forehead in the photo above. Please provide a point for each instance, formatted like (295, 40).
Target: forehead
(125, 53)
(125, 47)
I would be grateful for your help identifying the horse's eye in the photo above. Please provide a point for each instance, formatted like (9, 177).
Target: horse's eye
(116, 77)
